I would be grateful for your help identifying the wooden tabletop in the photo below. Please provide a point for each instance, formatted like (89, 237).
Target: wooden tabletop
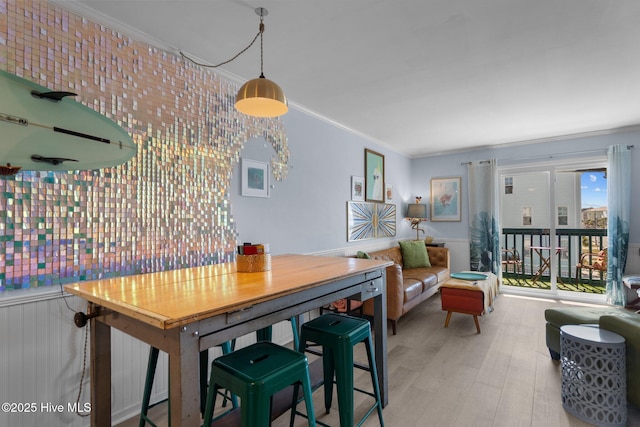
(173, 298)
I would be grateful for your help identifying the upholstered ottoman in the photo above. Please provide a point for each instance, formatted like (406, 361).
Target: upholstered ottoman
(469, 297)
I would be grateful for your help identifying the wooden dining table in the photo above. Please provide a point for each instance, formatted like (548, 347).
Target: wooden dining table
(188, 310)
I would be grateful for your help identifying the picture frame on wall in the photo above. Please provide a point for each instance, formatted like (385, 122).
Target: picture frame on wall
(357, 189)
(374, 176)
(389, 192)
(445, 199)
(255, 178)
(367, 220)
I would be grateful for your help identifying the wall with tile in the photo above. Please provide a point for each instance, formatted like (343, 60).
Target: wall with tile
(177, 203)
(166, 208)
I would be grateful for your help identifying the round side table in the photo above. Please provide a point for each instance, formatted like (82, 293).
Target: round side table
(594, 386)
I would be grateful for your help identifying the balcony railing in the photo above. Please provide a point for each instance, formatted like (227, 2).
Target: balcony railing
(527, 252)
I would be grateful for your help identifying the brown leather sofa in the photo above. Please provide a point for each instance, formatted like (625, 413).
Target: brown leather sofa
(407, 288)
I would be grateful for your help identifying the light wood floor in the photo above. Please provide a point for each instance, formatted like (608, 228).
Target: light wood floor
(456, 377)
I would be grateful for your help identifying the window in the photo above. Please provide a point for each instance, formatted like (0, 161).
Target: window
(526, 215)
(563, 215)
(508, 185)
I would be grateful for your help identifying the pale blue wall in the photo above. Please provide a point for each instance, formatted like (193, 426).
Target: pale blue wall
(423, 169)
(307, 211)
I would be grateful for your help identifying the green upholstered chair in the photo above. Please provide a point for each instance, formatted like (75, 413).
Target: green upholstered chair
(615, 319)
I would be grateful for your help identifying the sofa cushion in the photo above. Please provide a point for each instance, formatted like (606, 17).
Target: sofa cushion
(412, 288)
(362, 255)
(414, 254)
(441, 274)
(424, 275)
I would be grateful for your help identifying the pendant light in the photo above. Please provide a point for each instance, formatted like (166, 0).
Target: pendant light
(258, 97)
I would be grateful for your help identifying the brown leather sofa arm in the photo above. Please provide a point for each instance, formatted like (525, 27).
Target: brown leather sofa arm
(394, 291)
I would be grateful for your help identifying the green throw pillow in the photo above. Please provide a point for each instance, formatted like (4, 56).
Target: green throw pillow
(363, 255)
(414, 254)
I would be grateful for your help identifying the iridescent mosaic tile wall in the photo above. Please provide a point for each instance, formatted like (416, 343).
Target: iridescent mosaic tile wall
(168, 207)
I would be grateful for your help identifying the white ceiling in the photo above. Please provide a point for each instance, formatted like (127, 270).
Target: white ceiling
(419, 76)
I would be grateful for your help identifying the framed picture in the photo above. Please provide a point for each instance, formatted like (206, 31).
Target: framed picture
(357, 188)
(389, 193)
(255, 178)
(374, 176)
(370, 220)
(445, 199)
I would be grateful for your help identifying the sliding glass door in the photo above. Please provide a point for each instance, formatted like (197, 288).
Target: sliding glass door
(552, 216)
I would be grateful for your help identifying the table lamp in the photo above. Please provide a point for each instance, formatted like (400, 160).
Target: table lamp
(416, 213)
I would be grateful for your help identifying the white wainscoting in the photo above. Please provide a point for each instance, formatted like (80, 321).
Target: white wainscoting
(41, 362)
(633, 259)
(459, 254)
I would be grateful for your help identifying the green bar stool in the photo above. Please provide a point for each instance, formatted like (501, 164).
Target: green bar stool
(151, 372)
(338, 334)
(255, 373)
(264, 334)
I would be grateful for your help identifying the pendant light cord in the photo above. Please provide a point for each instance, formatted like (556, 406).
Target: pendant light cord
(260, 32)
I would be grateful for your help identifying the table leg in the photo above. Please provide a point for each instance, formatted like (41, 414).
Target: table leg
(380, 340)
(100, 374)
(183, 374)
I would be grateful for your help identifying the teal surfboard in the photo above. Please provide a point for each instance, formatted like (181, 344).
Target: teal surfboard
(42, 129)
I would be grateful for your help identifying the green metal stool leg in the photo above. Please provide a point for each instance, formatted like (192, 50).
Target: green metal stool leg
(264, 334)
(308, 399)
(204, 368)
(294, 329)
(374, 379)
(328, 370)
(211, 403)
(344, 383)
(148, 385)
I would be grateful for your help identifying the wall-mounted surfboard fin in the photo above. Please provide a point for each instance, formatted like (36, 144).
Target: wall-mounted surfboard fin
(51, 160)
(54, 96)
(9, 170)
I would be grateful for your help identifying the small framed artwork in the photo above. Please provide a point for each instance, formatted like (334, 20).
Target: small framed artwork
(445, 199)
(255, 178)
(357, 189)
(389, 192)
(374, 176)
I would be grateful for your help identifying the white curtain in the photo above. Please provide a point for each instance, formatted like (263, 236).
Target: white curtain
(484, 227)
(619, 201)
